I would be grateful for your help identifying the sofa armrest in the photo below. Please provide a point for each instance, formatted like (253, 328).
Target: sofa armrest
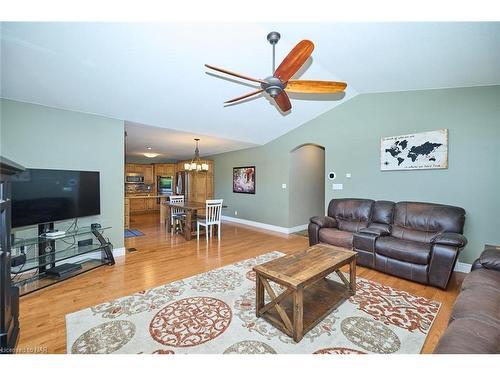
(450, 239)
(375, 231)
(490, 258)
(324, 221)
(442, 262)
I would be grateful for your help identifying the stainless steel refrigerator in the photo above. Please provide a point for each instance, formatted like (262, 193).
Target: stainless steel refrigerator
(182, 184)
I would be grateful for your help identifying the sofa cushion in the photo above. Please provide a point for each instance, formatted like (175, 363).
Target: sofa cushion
(351, 226)
(351, 209)
(407, 251)
(406, 270)
(481, 278)
(336, 237)
(490, 258)
(469, 336)
(417, 221)
(351, 214)
(481, 304)
(383, 212)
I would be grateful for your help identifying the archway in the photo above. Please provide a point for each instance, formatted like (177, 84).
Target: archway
(307, 183)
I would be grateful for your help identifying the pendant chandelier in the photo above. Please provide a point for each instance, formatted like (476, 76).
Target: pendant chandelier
(196, 164)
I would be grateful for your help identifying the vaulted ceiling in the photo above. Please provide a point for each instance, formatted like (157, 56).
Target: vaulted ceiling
(153, 73)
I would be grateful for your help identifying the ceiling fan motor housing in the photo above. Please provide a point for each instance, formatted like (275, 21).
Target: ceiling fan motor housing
(273, 37)
(273, 86)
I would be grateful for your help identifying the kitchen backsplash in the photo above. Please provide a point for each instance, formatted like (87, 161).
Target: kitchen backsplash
(138, 188)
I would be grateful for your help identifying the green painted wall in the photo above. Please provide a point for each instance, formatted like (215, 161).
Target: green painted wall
(306, 188)
(43, 137)
(351, 136)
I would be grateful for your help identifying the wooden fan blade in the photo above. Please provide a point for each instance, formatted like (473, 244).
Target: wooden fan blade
(283, 101)
(294, 60)
(244, 96)
(315, 87)
(235, 74)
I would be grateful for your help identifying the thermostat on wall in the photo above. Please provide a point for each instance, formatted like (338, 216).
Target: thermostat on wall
(332, 175)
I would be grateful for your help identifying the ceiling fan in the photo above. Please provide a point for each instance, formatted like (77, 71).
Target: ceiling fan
(280, 82)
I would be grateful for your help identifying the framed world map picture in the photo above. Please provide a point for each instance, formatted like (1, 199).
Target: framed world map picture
(427, 150)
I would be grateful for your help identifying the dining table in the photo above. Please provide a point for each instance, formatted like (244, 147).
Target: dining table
(191, 209)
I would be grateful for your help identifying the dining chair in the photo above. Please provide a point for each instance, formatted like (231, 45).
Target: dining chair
(176, 213)
(213, 209)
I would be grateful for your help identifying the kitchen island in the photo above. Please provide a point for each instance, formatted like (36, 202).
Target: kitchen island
(137, 202)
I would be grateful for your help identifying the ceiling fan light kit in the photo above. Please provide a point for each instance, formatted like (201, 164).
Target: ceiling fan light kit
(280, 81)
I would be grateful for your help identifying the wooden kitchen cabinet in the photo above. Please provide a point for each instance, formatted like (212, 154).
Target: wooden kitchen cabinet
(137, 204)
(127, 214)
(165, 169)
(129, 168)
(151, 204)
(143, 169)
(148, 174)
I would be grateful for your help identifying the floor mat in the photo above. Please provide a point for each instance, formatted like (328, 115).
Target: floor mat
(133, 233)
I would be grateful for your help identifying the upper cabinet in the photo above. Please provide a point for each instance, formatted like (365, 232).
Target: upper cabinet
(165, 170)
(143, 169)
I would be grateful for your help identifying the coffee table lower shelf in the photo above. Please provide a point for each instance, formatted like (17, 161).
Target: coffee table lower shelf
(319, 300)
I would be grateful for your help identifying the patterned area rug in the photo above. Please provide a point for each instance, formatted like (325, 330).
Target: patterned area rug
(214, 312)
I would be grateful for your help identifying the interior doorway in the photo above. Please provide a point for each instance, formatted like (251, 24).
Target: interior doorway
(307, 183)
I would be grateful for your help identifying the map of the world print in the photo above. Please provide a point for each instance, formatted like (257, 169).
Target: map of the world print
(428, 150)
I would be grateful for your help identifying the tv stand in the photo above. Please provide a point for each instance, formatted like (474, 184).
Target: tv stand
(32, 274)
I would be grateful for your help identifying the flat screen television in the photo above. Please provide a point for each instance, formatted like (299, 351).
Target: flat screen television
(48, 195)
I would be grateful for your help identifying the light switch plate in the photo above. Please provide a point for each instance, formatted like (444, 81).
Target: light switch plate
(337, 186)
(283, 186)
(348, 175)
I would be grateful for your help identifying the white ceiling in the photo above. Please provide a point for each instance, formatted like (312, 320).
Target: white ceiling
(174, 144)
(153, 73)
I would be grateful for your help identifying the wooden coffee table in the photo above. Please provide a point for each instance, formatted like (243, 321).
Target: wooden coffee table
(308, 296)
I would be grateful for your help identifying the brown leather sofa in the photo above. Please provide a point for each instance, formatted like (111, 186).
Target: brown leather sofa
(474, 325)
(414, 240)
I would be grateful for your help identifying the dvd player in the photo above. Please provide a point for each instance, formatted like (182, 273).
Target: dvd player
(54, 233)
(63, 270)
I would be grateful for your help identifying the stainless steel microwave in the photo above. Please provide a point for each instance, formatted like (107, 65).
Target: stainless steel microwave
(134, 178)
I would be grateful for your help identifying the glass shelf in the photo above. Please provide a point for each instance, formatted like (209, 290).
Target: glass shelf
(32, 283)
(18, 242)
(57, 256)
(32, 275)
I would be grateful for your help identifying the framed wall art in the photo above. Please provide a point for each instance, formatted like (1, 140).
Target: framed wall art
(427, 150)
(244, 180)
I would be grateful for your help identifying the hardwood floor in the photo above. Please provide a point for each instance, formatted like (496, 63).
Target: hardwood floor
(161, 258)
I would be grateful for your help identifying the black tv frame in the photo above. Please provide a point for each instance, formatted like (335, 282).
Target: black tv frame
(44, 226)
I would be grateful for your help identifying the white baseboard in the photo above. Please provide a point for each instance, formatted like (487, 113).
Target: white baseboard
(119, 252)
(274, 228)
(462, 267)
